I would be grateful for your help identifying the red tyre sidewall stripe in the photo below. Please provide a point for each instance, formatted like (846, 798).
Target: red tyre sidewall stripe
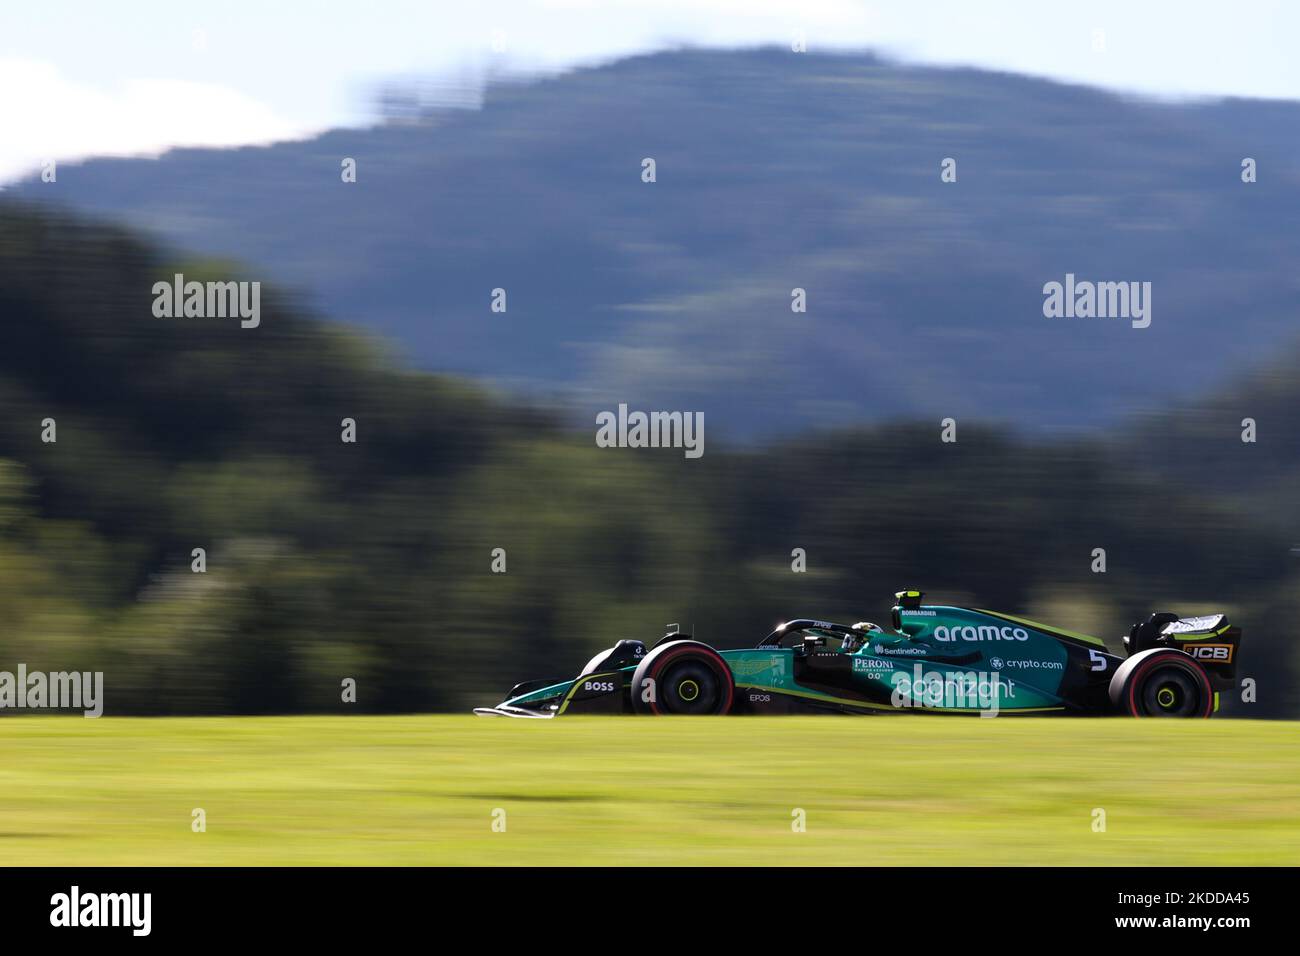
(1156, 659)
(662, 662)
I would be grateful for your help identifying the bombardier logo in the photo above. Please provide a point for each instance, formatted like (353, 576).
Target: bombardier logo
(985, 632)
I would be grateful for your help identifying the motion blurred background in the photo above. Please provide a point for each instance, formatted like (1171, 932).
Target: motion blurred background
(475, 430)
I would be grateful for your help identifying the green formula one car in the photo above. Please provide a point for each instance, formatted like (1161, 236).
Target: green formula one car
(933, 658)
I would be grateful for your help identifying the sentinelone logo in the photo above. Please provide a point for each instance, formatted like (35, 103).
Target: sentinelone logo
(102, 909)
(1101, 300)
(208, 300)
(57, 691)
(651, 430)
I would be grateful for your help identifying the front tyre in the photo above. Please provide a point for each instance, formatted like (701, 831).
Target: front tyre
(683, 677)
(1162, 682)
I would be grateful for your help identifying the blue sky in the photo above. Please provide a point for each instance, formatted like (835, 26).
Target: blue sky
(81, 77)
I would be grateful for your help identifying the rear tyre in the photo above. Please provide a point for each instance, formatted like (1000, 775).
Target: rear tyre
(1162, 682)
(683, 677)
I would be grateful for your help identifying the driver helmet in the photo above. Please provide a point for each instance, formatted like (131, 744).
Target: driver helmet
(852, 642)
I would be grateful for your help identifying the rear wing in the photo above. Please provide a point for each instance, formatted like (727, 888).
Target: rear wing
(1209, 638)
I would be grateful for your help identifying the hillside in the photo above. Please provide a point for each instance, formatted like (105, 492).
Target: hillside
(1199, 443)
(372, 559)
(774, 171)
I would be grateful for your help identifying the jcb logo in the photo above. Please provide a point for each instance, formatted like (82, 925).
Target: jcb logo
(1218, 653)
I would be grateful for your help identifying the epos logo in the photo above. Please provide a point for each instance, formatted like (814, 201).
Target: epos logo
(985, 632)
(1218, 653)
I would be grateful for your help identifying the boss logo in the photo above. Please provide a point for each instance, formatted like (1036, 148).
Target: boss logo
(598, 685)
(1219, 653)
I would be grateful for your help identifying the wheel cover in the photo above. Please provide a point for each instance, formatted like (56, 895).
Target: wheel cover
(1170, 691)
(690, 687)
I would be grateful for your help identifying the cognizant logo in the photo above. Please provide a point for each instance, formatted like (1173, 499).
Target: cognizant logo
(973, 690)
(985, 632)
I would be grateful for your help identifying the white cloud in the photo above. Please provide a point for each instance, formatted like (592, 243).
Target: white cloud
(254, 71)
(44, 115)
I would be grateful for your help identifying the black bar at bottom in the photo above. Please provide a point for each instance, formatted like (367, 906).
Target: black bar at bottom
(508, 906)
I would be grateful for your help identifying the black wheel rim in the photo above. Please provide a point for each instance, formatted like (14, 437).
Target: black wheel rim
(1171, 692)
(690, 687)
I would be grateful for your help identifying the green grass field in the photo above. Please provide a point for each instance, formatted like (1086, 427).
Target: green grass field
(422, 790)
